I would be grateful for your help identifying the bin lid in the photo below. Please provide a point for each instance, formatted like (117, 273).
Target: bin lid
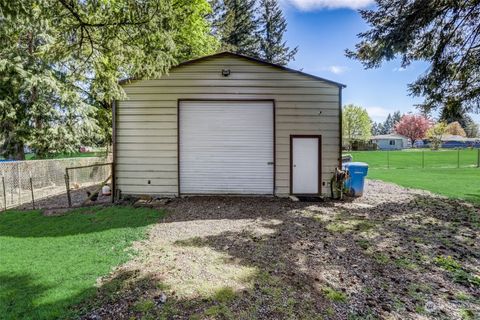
(356, 165)
(357, 168)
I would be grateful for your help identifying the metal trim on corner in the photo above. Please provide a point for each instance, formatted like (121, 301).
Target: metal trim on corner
(340, 136)
(114, 149)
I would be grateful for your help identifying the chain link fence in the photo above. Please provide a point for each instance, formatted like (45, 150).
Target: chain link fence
(85, 182)
(31, 183)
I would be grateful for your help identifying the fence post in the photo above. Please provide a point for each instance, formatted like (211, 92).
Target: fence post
(5, 193)
(67, 185)
(478, 158)
(112, 183)
(19, 185)
(423, 159)
(458, 158)
(33, 197)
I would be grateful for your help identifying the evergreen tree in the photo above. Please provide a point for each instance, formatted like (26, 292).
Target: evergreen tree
(273, 26)
(396, 117)
(61, 60)
(377, 128)
(388, 125)
(445, 34)
(214, 17)
(454, 112)
(238, 28)
(40, 105)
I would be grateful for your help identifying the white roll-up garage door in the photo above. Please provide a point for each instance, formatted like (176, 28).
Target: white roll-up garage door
(226, 147)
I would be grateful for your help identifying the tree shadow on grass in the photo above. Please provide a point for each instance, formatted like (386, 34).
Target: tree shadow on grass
(23, 224)
(21, 295)
(14, 301)
(48, 263)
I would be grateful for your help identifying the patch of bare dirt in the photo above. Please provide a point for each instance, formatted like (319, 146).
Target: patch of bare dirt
(395, 253)
(58, 204)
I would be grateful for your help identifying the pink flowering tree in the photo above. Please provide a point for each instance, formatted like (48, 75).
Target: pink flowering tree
(413, 127)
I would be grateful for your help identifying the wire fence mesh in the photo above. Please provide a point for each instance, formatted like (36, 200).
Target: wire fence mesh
(82, 177)
(25, 183)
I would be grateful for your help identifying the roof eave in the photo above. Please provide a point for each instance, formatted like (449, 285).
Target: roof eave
(225, 53)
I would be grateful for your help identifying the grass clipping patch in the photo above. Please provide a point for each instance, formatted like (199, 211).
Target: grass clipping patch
(185, 261)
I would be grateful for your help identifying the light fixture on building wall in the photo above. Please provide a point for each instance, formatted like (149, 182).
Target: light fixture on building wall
(225, 72)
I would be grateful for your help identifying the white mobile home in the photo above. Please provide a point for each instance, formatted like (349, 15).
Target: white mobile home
(227, 124)
(391, 142)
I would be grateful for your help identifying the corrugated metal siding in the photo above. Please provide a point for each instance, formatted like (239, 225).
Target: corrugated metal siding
(226, 147)
(147, 127)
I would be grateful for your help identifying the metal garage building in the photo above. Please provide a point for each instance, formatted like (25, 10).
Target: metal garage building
(227, 124)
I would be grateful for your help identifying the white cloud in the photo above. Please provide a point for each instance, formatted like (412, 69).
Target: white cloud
(308, 5)
(378, 113)
(401, 69)
(337, 69)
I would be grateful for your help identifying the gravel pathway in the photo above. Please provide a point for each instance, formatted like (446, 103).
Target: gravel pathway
(395, 253)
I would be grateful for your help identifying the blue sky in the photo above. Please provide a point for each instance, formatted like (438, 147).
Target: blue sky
(323, 29)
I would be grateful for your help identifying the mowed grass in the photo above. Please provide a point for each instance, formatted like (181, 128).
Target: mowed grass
(439, 175)
(418, 158)
(48, 264)
(454, 183)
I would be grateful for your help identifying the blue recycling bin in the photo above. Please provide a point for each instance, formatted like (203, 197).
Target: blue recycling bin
(357, 171)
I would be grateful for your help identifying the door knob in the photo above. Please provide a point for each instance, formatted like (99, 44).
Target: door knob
(294, 165)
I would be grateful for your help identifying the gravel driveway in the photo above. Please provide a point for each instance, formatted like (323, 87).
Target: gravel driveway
(393, 254)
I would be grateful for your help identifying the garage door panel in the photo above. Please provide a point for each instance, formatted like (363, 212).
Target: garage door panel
(226, 147)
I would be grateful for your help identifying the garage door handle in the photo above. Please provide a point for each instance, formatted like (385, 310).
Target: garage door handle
(270, 163)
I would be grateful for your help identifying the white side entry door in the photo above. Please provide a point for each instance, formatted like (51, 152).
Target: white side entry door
(305, 164)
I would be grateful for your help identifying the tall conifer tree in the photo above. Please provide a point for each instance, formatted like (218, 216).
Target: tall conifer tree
(273, 26)
(238, 28)
(60, 61)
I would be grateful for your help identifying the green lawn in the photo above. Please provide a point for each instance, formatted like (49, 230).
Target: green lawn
(439, 175)
(455, 183)
(418, 158)
(48, 264)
